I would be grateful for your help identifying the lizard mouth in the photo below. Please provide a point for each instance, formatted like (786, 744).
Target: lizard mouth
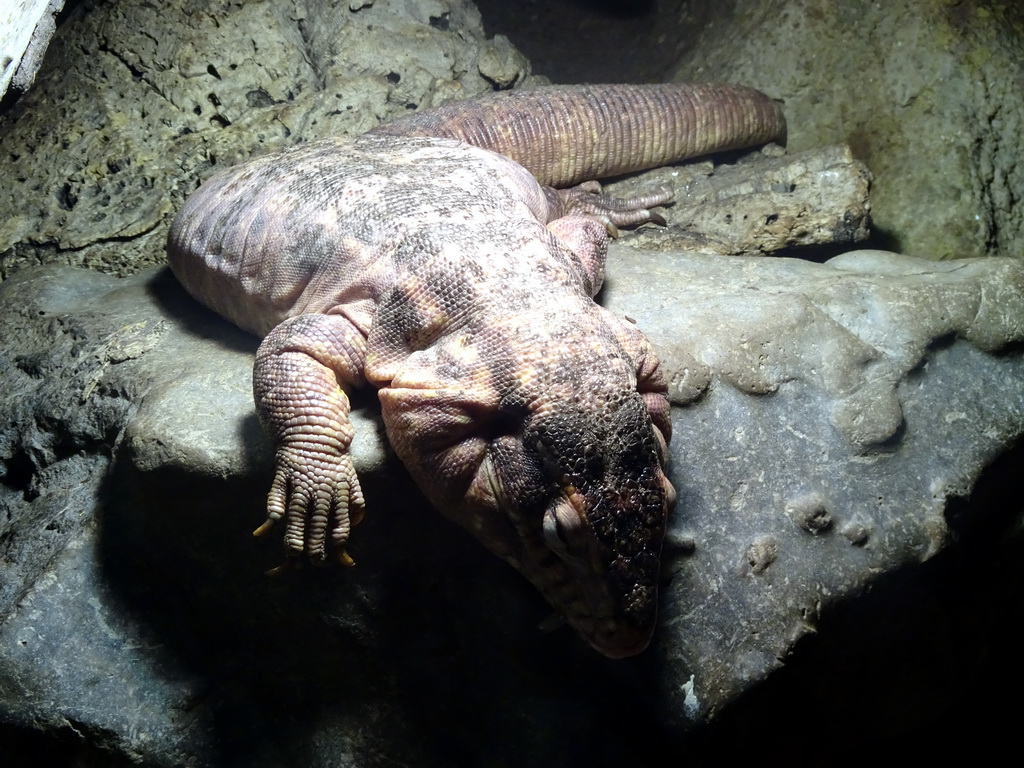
(572, 584)
(577, 579)
(587, 550)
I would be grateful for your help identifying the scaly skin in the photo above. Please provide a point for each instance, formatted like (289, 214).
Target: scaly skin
(444, 275)
(568, 134)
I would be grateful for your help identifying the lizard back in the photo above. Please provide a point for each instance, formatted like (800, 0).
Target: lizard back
(331, 226)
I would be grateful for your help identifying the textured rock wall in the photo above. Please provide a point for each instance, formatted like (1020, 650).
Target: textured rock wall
(928, 95)
(139, 102)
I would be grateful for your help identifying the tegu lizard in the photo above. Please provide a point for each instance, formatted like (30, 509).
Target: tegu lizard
(450, 259)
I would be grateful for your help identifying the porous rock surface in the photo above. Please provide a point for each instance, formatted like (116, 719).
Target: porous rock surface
(928, 95)
(139, 102)
(825, 416)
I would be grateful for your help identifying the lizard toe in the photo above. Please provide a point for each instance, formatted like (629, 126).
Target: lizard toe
(321, 500)
(609, 210)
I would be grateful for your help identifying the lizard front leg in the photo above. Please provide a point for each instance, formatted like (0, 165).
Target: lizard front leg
(298, 378)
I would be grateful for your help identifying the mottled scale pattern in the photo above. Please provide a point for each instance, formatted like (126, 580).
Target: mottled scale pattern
(303, 231)
(447, 277)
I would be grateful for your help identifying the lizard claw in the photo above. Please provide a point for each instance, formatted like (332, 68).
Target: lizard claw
(264, 529)
(610, 228)
(281, 569)
(291, 563)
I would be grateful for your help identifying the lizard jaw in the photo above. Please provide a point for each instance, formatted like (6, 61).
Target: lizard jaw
(590, 608)
(588, 611)
(575, 588)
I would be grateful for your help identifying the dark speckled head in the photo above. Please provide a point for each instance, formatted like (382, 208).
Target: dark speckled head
(555, 464)
(600, 522)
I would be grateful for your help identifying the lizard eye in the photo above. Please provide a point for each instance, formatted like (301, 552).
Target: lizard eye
(561, 524)
(552, 537)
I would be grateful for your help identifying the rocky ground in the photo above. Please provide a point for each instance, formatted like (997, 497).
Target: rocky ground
(842, 570)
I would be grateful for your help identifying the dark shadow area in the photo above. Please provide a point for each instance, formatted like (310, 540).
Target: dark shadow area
(590, 41)
(25, 748)
(427, 623)
(178, 554)
(195, 318)
(818, 254)
(883, 240)
(614, 9)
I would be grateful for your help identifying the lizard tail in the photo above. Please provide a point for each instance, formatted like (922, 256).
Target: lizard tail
(565, 135)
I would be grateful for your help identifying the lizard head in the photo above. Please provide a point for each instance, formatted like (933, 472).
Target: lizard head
(556, 465)
(585, 486)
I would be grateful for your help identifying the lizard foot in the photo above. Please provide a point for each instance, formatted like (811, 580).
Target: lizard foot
(587, 199)
(317, 493)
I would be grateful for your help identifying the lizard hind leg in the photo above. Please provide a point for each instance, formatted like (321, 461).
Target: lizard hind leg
(299, 376)
(587, 199)
(584, 218)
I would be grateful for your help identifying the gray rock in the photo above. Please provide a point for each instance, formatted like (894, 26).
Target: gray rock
(831, 415)
(764, 203)
(825, 417)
